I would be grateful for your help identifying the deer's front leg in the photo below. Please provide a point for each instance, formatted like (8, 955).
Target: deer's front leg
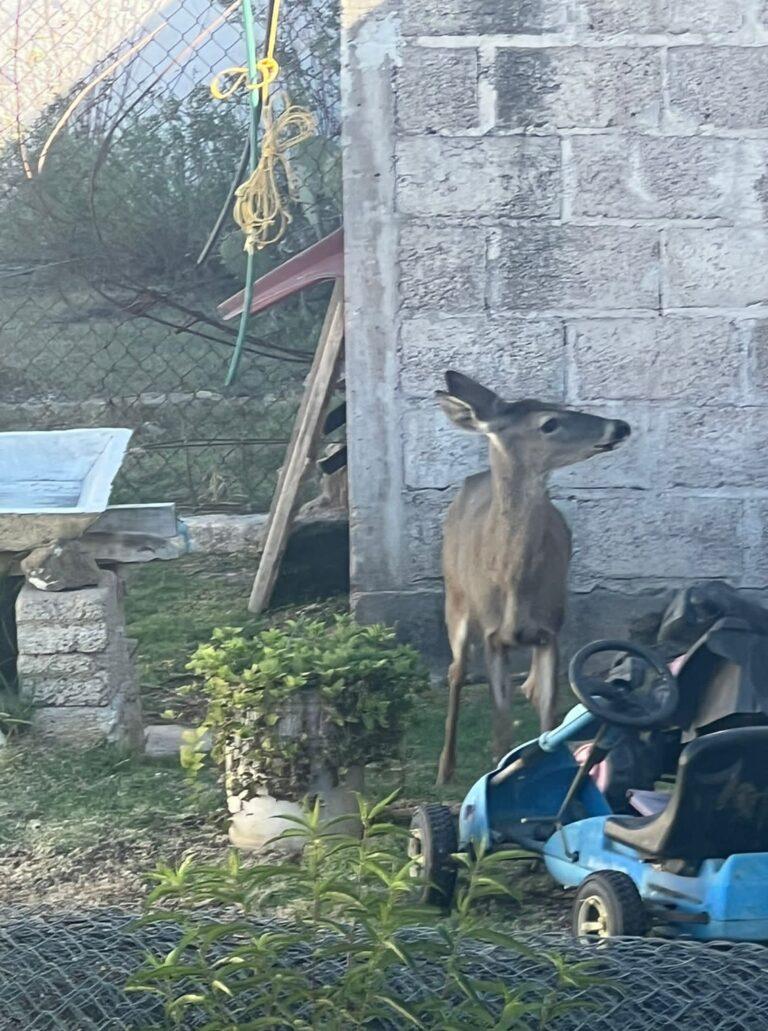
(458, 627)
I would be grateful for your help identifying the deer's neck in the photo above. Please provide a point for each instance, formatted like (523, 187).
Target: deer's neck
(518, 491)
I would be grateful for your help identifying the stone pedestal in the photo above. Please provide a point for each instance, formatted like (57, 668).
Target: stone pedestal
(75, 665)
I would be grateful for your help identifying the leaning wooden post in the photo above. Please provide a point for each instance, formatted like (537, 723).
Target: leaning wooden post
(306, 429)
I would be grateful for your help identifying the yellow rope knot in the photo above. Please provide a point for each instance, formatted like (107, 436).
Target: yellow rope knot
(267, 68)
(259, 209)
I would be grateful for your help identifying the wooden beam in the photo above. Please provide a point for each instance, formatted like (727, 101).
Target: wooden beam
(306, 431)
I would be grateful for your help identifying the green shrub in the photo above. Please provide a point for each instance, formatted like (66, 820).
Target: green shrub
(361, 683)
(337, 942)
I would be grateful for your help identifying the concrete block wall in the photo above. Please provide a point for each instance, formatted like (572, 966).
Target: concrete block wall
(569, 200)
(75, 665)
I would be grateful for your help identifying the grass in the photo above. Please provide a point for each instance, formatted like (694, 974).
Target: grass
(415, 775)
(84, 828)
(59, 799)
(170, 609)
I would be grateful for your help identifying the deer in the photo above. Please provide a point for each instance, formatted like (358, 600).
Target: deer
(507, 548)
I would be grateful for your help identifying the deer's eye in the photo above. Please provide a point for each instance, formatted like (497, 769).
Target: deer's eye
(549, 426)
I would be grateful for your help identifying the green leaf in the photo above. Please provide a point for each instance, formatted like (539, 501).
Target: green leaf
(401, 1009)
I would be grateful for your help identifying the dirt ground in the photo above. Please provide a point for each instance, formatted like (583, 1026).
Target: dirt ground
(107, 874)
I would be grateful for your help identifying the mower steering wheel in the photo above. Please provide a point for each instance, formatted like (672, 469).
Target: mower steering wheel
(650, 704)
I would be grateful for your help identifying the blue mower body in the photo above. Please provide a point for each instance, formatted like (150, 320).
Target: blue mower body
(539, 799)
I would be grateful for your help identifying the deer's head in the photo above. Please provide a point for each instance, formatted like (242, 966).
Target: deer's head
(544, 436)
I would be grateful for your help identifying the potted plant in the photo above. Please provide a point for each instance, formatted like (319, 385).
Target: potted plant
(297, 710)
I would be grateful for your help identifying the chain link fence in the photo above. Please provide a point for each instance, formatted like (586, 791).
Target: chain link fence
(115, 163)
(61, 972)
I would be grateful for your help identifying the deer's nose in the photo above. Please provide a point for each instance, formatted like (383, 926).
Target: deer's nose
(621, 429)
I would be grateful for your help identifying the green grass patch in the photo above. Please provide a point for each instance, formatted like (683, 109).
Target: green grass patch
(171, 607)
(415, 775)
(62, 799)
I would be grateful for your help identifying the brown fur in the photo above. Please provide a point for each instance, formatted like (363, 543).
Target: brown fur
(506, 549)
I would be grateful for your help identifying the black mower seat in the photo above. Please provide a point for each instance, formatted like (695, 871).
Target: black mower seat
(718, 807)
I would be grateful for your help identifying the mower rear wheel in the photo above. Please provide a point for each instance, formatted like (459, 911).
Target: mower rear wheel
(432, 844)
(608, 905)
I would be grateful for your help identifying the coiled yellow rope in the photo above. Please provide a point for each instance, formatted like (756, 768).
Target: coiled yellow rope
(259, 209)
(236, 78)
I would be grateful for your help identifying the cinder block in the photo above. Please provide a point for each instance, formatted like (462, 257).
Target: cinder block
(719, 87)
(75, 665)
(218, 533)
(655, 359)
(78, 726)
(632, 536)
(756, 332)
(416, 615)
(442, 267)
(660, 16)
(478, 17)
(510, 176)
(576, 87)
(437, 454)
(608, 611)
(716, 447)
(515, 357)
(436, 90)
(424, 513)
(40, 638)
(634, 176)
(87, 605)
(722, 267)
(575, 267)
(69, 679)
(78, 678)
(756, 543)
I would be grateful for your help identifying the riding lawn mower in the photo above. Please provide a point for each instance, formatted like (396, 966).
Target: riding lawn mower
(650, 799)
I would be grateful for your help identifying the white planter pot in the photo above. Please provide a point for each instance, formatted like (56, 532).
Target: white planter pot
(257, 821)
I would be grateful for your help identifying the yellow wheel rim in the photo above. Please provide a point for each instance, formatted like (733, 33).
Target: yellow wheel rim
(592, 918)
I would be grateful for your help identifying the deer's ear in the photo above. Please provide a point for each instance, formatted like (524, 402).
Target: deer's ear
(459, 412)
(467, 403)
(480, 398)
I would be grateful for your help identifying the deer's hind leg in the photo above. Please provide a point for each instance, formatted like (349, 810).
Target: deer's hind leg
(497, 666)
(457, 621)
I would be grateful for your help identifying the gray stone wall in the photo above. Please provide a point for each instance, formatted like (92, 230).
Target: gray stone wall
(569, 200)
(75, 665)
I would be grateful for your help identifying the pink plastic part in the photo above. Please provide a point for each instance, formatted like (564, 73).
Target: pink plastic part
(322, 261)
(599, 773)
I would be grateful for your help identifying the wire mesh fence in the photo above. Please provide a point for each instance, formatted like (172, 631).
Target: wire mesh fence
(68, 971)
(115, 164)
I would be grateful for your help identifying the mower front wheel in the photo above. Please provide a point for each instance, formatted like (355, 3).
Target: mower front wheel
(608, 905)
(432, 843)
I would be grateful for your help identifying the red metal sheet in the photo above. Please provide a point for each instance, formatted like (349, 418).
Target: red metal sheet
(323, 260)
